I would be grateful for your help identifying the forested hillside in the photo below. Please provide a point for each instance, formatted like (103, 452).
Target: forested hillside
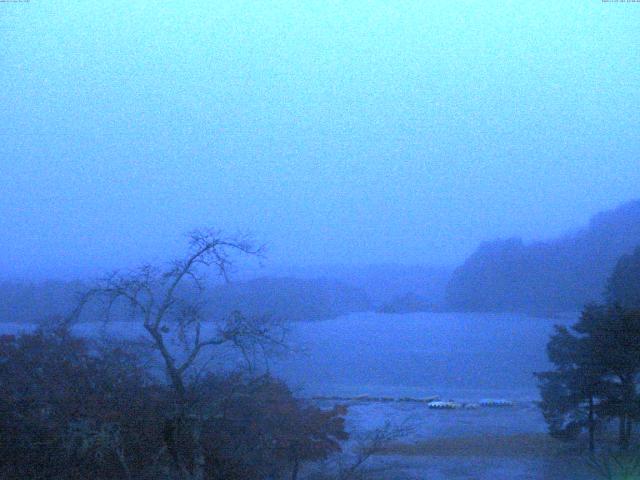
(291, 299)
(550, 276)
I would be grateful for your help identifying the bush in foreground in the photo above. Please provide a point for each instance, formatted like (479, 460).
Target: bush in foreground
(74, 409)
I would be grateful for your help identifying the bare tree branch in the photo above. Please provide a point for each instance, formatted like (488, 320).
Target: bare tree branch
(170, 312)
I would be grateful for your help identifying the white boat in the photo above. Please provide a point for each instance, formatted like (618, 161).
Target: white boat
(441, 405)
(496, 402)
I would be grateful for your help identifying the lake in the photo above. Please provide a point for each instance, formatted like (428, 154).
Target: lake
(464, 356)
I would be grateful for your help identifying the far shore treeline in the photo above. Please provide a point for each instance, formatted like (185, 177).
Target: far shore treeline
(540, 278)
(559, 275)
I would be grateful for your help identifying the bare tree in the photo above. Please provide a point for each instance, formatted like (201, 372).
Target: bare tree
(370, 444)
(170, 304)
(355, 464)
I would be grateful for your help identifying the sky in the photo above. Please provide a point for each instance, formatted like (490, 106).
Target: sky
(335, 132)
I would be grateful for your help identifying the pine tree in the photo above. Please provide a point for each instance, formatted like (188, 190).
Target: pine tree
(597, 368)
(571, 394)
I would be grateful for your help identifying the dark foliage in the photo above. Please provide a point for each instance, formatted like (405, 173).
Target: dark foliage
(260, 422)
(73, 409)
(68, 410)
(596, 376)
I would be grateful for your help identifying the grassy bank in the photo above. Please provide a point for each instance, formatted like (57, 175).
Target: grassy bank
(490, 445)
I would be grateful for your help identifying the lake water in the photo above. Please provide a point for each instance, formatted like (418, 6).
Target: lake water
(461, 356)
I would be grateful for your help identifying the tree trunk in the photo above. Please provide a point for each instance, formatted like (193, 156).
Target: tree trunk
(198, 455)
(622, 432)
(174, 375)
(628, 389)
(592, 426)
(294, 471)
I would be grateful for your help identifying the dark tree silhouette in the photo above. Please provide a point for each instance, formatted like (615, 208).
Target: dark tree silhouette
(597, 368)
(169, 302)
(571, 393)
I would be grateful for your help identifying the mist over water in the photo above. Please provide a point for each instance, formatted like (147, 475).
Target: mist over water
(460, 356)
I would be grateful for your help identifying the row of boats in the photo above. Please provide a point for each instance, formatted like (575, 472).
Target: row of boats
(432, 402)
(489, 402)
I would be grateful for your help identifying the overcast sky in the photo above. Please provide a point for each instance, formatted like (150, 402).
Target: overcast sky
(337, 132)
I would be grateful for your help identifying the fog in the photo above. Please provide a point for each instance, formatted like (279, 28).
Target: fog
(351, 240)
(340, 134)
